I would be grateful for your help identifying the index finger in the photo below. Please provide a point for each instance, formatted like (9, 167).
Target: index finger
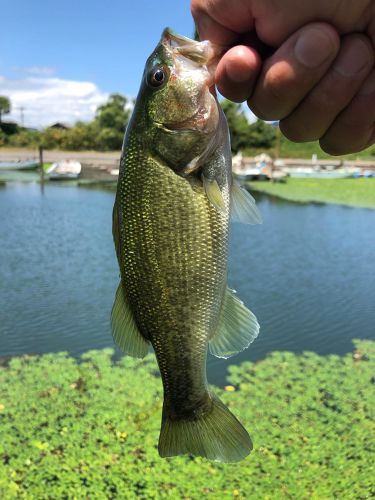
(212, 25)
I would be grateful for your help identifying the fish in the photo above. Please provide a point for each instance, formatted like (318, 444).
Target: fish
(171, 216)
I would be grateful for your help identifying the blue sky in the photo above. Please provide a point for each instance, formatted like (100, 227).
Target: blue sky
(58, 57)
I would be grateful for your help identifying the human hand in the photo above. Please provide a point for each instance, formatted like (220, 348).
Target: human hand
(318, 79)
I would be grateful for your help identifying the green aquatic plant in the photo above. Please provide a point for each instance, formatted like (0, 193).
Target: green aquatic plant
(89, 429)
(350, 192)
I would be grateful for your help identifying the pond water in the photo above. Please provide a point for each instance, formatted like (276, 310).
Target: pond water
(307, 273)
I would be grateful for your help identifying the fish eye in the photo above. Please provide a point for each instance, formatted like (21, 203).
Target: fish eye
(157, 76)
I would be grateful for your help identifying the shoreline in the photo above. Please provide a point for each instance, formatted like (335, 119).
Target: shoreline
(99, 172)
(353, 193)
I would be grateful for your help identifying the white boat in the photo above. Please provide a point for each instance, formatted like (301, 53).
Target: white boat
(250, 173)
(64, 170)
(19, 165)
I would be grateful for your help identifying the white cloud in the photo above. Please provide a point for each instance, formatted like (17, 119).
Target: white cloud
(33, 70)
(46, 100)
(41, 70)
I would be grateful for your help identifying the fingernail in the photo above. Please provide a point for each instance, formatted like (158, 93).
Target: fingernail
(353, 58)
(368, 87)
(313, 47)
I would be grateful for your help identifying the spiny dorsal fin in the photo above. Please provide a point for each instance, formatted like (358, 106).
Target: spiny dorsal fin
(213, 193)
(124, 329)
(244, 208)
(237, 328)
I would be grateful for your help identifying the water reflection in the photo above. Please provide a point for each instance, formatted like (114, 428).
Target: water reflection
(307, 273)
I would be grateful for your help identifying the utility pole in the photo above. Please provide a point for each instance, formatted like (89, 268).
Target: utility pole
(22, 109)
(41, 169)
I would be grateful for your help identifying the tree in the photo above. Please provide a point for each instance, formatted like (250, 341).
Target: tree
(245, 135)
(262, 135)
(83, 136)
(25, 138)
(113, 114)
(4, 106)
(52, 138)
(238, 125)
(105, 132)
(3, 138)
(112, 118)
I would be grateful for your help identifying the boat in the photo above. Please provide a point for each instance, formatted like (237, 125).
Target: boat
(19, 165)
(253, 170)
(64, 170)
(251, 174)
(367, 174)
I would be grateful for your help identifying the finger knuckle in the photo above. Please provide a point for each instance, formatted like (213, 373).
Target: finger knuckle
(296, 131)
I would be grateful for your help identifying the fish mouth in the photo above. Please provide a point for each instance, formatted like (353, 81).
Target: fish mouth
(177, 127)
(190, 53)
(172, 129)
(190, 56)
(203, 53)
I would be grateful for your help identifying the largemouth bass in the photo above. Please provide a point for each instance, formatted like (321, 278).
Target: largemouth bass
(171, 218)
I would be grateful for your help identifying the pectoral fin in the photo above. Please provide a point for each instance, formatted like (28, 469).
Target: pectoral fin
(244, 208)
(124, 329)
(213, 193)
(238, 327)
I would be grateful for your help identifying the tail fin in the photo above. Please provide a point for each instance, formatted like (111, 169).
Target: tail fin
(216, 436)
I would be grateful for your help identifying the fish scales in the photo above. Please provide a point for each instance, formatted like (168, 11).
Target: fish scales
(175, 258)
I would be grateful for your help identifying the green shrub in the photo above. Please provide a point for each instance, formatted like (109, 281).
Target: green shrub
(90, 430)
(52, 138)
(3, 138)
(83, 136)
(25, 138)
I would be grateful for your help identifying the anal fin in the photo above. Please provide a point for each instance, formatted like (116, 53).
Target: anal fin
(124, 329)
(237, 328)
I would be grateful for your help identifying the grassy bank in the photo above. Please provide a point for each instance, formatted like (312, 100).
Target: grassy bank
(289, 149)
(90, 430)
(352, 192)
